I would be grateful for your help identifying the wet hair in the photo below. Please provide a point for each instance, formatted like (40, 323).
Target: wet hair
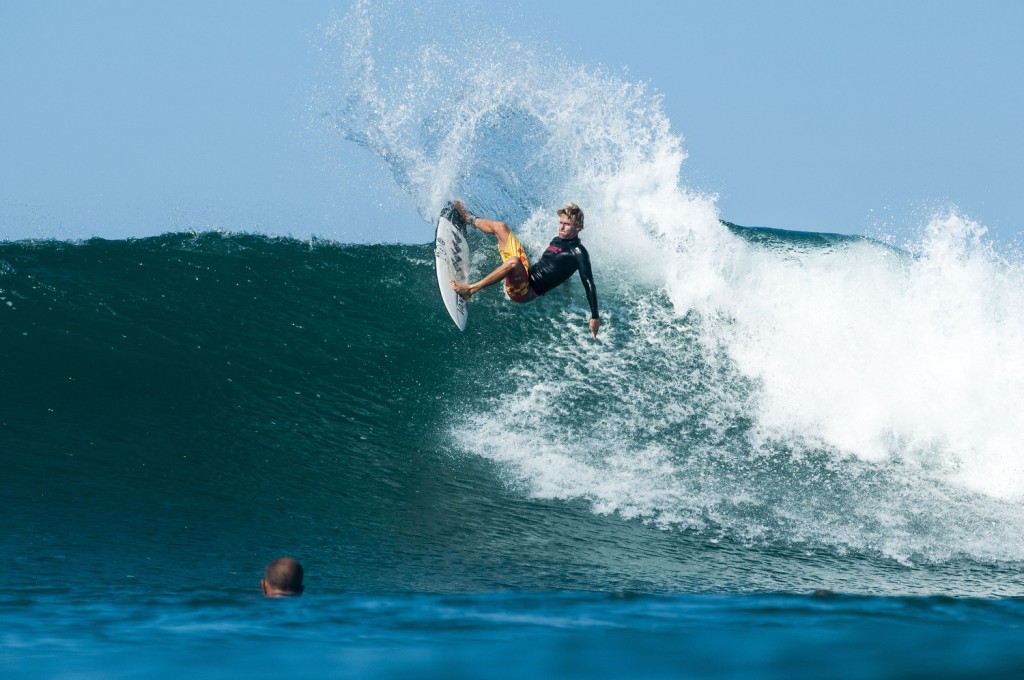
(285, 574)
(573, 212)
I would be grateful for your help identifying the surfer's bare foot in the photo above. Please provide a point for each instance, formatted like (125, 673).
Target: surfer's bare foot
(464, 213)
(464, 291)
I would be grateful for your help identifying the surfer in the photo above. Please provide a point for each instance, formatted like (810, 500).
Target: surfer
(523, 283)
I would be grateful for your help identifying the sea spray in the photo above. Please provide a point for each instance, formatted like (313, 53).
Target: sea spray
(516, 131)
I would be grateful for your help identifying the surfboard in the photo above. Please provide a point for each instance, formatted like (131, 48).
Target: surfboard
(451, 260)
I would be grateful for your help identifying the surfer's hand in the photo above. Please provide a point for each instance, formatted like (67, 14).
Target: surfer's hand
(594, 325)
(464, 291)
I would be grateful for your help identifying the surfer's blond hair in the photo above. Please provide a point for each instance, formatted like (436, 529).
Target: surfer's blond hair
(573, 212)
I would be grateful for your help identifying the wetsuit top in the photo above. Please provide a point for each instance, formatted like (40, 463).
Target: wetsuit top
(560, 260)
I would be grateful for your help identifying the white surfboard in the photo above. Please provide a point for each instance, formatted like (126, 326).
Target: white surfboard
(451, 259)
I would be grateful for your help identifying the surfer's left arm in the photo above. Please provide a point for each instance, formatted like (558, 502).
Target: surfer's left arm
(587, 277)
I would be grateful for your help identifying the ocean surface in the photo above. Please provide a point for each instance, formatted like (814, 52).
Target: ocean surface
(787, 455)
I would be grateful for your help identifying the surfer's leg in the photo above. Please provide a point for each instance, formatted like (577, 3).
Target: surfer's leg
(499, 229)
(517, 280)
(514, 268)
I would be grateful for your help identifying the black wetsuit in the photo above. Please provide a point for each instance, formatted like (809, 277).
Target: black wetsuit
(562, 258)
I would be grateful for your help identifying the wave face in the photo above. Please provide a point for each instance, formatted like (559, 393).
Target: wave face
(178, 407)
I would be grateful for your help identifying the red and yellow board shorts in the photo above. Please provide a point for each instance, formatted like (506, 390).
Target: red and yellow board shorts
(517, 285)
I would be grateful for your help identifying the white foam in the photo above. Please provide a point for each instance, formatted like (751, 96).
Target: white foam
(881, 355)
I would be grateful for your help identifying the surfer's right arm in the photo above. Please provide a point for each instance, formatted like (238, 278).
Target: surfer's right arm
(503, 270)
(587, 277)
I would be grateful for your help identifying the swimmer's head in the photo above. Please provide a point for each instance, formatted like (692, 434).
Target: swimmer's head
(283, 578)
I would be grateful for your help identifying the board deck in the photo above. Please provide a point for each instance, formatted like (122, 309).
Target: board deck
(451, 260)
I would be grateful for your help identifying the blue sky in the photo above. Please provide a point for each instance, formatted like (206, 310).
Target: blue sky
(123, 118)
